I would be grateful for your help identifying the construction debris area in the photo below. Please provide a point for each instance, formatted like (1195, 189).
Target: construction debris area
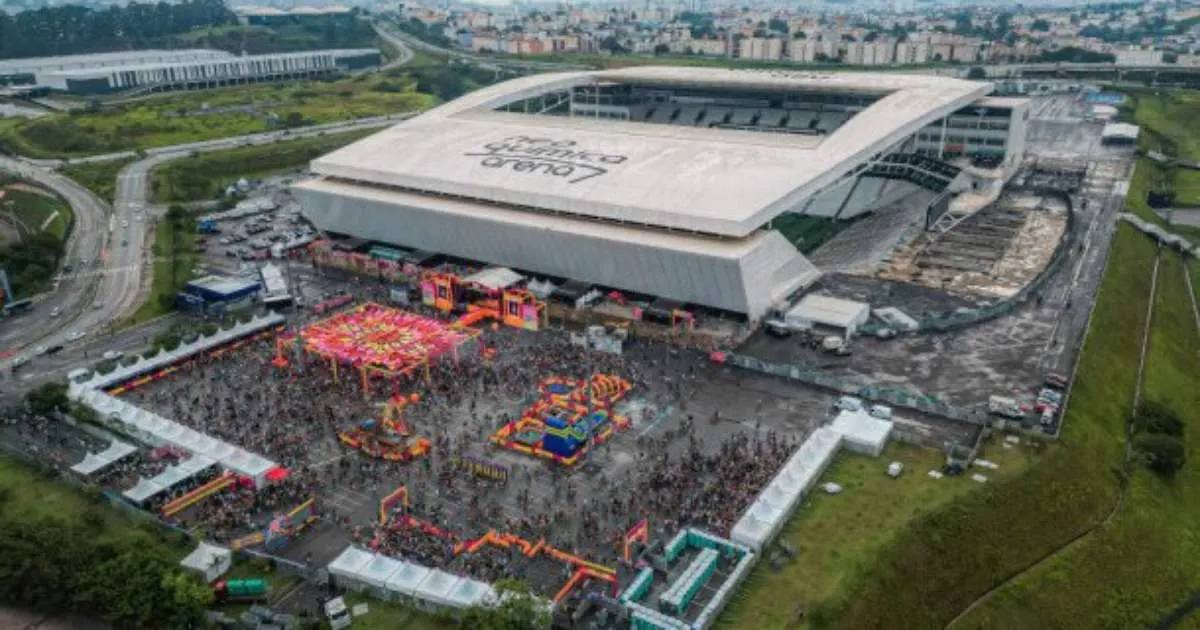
(993, 253)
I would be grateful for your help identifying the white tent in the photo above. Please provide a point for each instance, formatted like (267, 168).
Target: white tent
(494, 278)
(221, 451)
(846, 315)
(143, 491)
(861, 432)
(348, 566)
(467, 593)
(95, 462)
(407, 578)
(195, 465)
(90, 465)
(379, 570)
(777, 502)
(248, 464)
(208, 560)
(171, 477)
(435, 589)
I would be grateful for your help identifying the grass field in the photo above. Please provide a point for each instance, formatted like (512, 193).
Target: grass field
(1172, 127)
(391, 616)
(1136, 569)
(33, 209)
(207, 175)
(836, 536)
(176, 253)
(98, 177)
(38, 497)
(944, 559)
(193, 116)
(807, 232)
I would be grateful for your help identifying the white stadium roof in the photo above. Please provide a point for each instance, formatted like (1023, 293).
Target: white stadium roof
(713, 181)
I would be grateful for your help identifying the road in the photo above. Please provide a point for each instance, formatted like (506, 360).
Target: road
(74, 294)
(228, 143)
(404, 53)
(99, 294)
(488, 63)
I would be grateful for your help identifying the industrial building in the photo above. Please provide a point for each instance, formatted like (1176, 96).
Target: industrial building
(654, 180)
(216, 294)
(27, 71)
(200, 69)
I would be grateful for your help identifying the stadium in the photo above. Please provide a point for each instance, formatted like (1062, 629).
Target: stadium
(665, 181)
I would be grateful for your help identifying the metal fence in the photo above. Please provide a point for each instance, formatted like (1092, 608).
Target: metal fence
(893, 396)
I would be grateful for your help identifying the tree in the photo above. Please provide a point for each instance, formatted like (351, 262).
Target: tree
(778, 25)
(519, 609)
(1040, 26)
(976, 73)
(662, 49)
(48, 398)
(1155, 417)
(1163, 454)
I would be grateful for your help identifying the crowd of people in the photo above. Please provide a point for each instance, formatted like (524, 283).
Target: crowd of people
(666, 468)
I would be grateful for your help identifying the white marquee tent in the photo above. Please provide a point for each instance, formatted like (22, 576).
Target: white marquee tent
(95, 462)
(761, 522)
(211, 561)
(348, 566)
(405, 580)
(861, 432)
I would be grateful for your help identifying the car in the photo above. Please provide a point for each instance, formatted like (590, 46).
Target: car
(19, 362)
(883, 412)
(848, 403)
(75, 335)
(137, 217)
(113, 355)
(56, 311)
(55, 349)
(124, 242)
(125, 224)
(39, 351)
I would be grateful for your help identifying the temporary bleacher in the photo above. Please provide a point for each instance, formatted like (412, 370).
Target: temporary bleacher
(743, 117)
(689, 115)
(926, 172)
(714, 116)
(663, 114)
(800, 119)
(771, 118)
(828, 121)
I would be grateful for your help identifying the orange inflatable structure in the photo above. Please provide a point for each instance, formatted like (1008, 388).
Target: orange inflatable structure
(390, 438)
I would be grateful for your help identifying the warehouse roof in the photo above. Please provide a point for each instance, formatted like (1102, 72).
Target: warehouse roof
(95, 60)
(714, 181)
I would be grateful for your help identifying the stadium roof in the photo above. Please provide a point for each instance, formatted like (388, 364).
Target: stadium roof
(714, 181)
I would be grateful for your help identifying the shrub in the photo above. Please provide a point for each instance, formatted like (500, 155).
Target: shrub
(1163, 454)
(1155, 417)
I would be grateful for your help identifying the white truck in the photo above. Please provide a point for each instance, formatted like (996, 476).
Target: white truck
(338, 614)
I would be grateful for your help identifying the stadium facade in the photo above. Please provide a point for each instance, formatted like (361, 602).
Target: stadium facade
(656, 180)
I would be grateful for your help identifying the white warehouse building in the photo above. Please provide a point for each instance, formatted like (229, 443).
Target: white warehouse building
(205, 71)
(655, 180)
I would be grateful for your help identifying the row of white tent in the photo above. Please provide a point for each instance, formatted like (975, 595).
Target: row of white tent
(156, 430)
(169, 478)
(95, 462)
(167, 358)
(357, 569)
(854, 430)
